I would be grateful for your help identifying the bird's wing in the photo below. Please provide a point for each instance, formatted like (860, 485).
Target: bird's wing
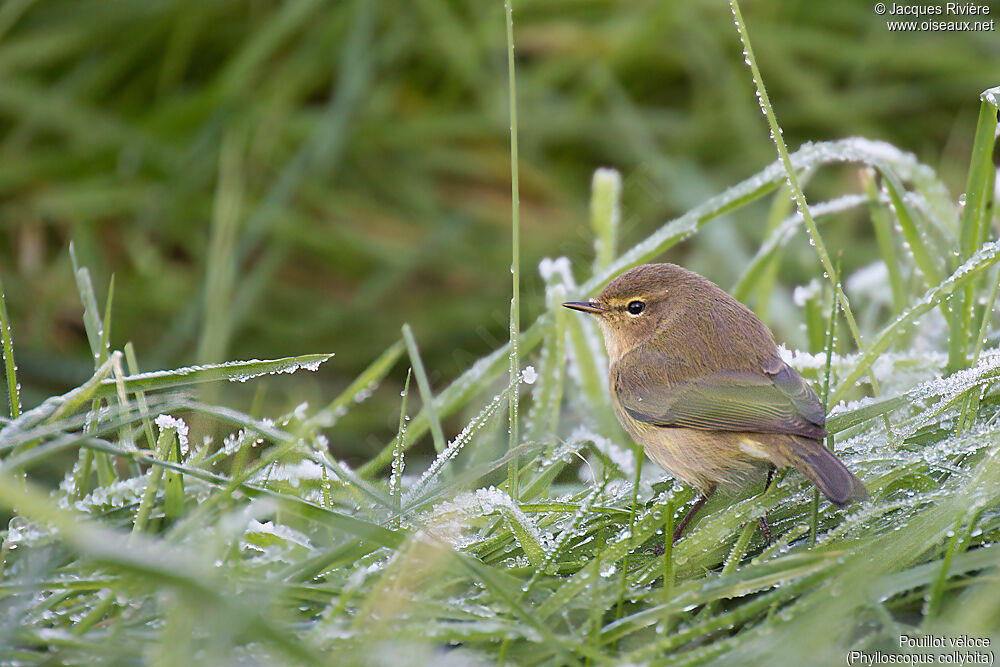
(657, 389)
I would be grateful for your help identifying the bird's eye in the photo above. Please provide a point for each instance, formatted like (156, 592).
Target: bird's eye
(636, 307)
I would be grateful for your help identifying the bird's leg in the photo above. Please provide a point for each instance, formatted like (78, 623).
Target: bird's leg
(770, 478)
(762, 522)
(702, 499)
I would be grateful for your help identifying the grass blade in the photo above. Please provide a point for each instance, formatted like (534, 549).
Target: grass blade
(515, 266)
(10, 366)
(425, 389)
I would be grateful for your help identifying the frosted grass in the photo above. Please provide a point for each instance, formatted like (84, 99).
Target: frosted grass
(539, 557)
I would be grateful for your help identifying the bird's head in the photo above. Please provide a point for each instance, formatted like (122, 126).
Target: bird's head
(634, 306)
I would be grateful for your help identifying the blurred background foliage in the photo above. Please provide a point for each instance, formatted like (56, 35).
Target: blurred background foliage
(275, 178)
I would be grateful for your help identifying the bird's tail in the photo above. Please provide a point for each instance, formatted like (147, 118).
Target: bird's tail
(824, 470)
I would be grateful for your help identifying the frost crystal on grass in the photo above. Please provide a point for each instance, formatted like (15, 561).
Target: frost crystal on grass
(365, 392)
(273, 366)
(802, 294)
(273, 541)
(529, 375)
(800, 359)
(558, 270)
(288, 368)
(117, 494)
(991, 95)
(169, 421)
(22, 531)
(279, 531)
(234, 441)
(944, 388)
(961, 381)
(231, 443)
(306, 469)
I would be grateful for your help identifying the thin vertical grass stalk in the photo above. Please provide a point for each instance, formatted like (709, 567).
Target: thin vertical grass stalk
(668, 559)
(793, 184)
(86, 290)
(10, 366)
(515, 266)
(437, 434)
(398, 453)
(831, 341)
(963, 546)
(81, 482)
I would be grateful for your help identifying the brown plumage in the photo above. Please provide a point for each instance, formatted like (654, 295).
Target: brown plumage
(696, 378)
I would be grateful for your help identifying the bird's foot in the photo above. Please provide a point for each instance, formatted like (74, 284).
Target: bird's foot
(762, 522)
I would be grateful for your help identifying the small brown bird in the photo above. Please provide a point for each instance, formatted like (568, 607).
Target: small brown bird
(697, 380)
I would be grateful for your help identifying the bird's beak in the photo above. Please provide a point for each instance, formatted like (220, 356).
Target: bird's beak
(585, 306)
